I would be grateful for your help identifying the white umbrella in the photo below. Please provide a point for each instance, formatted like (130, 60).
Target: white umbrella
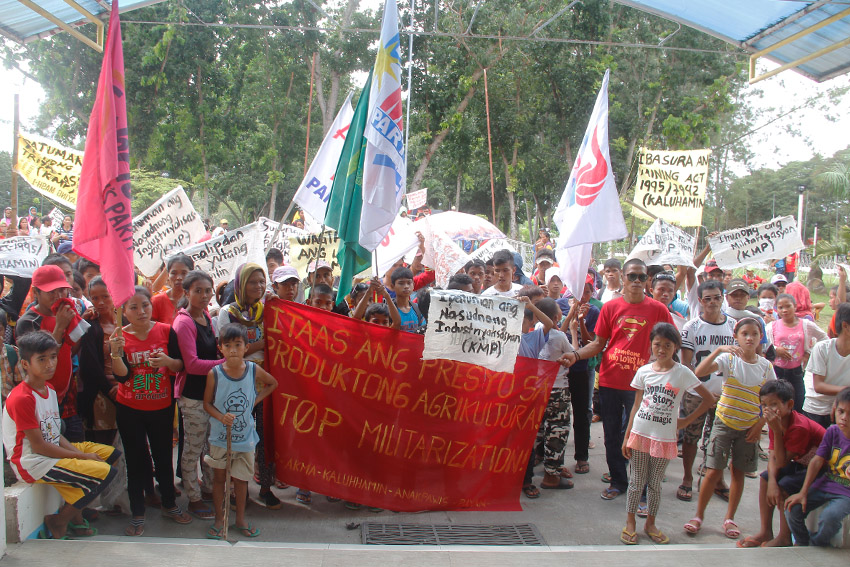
(462, 226)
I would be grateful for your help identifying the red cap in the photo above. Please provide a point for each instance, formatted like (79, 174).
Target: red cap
(49, 278)
(711, 265)
(590, 279)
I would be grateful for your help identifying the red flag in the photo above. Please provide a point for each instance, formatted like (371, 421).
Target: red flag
(103, 230)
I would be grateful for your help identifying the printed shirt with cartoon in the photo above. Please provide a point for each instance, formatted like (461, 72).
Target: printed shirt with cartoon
(556, 346)
(739, 406)
(235, 396)
(147, 388)
(825, 361)
(27, 409)
(835, 449)
(627, 327)
(662, 395)
(703, 338)
(802, 438)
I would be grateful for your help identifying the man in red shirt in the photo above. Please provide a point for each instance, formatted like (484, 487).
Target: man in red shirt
(624, 324)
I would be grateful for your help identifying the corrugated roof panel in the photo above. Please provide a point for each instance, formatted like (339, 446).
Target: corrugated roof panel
(23, 24)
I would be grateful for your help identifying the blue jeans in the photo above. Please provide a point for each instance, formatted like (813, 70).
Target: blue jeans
(835, 509)
(613, 406)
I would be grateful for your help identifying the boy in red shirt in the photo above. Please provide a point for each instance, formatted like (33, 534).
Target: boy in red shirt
(37, 450)
(794, 439)
(624, 324)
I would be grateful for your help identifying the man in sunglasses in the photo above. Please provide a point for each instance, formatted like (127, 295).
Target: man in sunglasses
(624, 325)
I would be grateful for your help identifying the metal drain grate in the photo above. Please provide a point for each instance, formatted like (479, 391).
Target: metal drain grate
(450, 534)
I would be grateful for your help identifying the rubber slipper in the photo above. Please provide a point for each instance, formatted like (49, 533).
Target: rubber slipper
(565, 473)
(202, 513)
(748, 542)
(731, 530)
(610, 493)
(531, 491)
(685, 493)
(582, 467)
(606, 477)
(215, 533)
(723, 493)
(45, 533)
(249, 530)
(642, 511)
(629, 538)
(76, 528)
(658, 537)
(563, 484)
(135, 530)
(304, 498)
(693, 526)
(181, 517)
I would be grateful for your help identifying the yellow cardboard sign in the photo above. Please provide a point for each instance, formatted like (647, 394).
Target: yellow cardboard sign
(51, 169)
(671, 185)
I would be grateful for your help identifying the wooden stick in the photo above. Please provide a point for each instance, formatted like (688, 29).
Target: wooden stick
(14, 189)
(309, 110)
(489, 144)
(119, 328)
(227, 483)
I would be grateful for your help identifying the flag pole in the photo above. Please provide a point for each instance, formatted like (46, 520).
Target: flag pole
(14, 188)
(409, 76)
(489, 147)
(309, 110)
(318, 255)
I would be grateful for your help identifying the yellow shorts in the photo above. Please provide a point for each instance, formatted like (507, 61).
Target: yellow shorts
(241, 464)
(79, 481)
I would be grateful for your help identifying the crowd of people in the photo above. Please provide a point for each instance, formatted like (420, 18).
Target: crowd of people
(673, 361)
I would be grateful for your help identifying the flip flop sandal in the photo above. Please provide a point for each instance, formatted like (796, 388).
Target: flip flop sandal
(731, 530)
(249, 530)
(202, 513)
(606, 477)
(136, 528)
(177, 515)
(642, 511)
(658, 537)
(563, 484)
(723, 493)
(565, 473)
(610, 493)
(45, 533)
(280, 484)
(693, 526)
(304, 498)
(531, 491)
(582, 467)
(685, 493)
(77, 528)
(748, 542)
(215, 533)
(629, 538)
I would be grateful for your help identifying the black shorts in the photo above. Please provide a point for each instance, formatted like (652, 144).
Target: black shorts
(790, 478)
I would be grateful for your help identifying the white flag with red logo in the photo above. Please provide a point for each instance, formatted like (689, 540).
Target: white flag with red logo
(589, 210)
(384, 167)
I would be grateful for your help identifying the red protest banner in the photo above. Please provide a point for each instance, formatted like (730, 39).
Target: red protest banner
(358, 415)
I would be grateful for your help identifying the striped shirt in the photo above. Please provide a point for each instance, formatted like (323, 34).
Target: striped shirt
(739, 406)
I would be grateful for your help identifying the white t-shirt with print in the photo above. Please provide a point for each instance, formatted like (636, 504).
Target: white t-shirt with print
(662, 395)
(835, 369)
(703, 338)
(515, 287)
(557, 345)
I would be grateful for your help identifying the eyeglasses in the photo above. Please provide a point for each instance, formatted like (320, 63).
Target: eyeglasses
(637, 277)
(664, 277)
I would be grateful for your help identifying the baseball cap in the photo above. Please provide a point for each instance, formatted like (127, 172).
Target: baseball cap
(737, 284)
(284, 273)
(224, 221)
(65, 247)
(590, 280)
(49, 278)
(553, 272)
(315, 266)
(546, 255)
(711, 266)
(778, 278)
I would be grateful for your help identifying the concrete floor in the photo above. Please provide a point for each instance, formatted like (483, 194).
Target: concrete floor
(577, 517)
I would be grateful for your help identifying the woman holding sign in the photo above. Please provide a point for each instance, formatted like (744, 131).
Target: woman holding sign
(249, 288)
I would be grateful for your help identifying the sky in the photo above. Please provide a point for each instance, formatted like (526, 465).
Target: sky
(772, 145)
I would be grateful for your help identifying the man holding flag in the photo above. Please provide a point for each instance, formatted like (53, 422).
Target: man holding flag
(369, 183)
(590, 212)
(104, 226)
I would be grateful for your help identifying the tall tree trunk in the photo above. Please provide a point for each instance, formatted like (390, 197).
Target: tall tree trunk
(273, 199)
(512, 224)
(328, 105)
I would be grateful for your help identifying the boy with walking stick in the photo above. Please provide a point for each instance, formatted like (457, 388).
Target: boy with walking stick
(231, 393)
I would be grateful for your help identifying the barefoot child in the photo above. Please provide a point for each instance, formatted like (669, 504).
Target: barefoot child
(37, 450)
(737, 428)
(651, 433)
(831, 490)
(794, 438)
(230, 395)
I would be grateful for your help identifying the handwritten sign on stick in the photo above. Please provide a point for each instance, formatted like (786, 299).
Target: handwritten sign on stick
(219, 256)
(50, 169)
(484, 331)
(170, 224)
(671, 184)
(769, 240)
(305, 249)
(21, 255)
(665, 243)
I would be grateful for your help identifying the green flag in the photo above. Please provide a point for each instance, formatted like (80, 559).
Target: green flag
(346, 200)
